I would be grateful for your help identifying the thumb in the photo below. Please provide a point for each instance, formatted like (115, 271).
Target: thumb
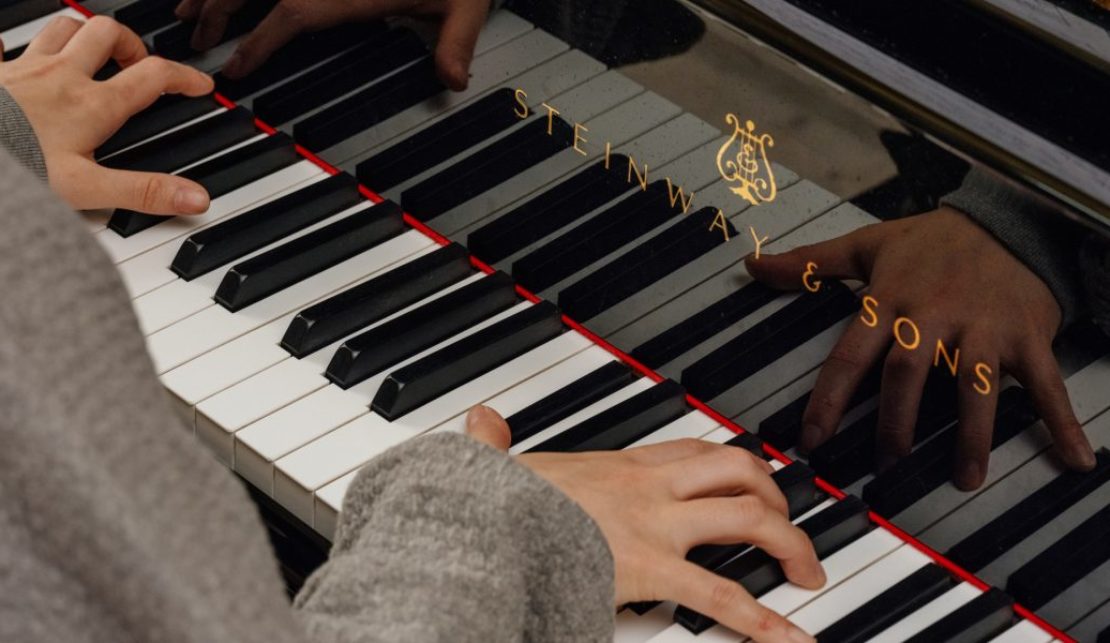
(846, 257)
(457, 39)
(147, 192)
(486, 426)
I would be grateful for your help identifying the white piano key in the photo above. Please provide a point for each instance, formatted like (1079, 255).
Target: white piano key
(536, 388)
(299, 474)
(123, 248)
(329, 500)
(606, 402)
(18, 36)
(636, 628)
(1024, 632)
(867, 584)
(285, 382)
(1087, 390)
(262, 442)
(928, 614)
(177, 299)
(214, 326)
(694, 424)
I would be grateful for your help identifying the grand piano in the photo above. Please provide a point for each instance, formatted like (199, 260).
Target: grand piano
(564, 241)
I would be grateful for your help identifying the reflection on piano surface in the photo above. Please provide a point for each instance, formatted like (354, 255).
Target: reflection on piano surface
(321, 312)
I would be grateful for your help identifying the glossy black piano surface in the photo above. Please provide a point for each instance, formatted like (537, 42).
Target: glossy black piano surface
(619, 160)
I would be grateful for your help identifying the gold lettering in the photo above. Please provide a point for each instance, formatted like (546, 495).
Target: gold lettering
(758, 242)
(898, 324)
(953, 361)
(985, 387)
(721, 222)
(578, 129)
(676, 196)
(523, 110)
(870, 315)
(812, 286)
(642, 178)
(551, 112)
(608, 151)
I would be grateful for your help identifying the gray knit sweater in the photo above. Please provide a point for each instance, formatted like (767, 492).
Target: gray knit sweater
(116, 526)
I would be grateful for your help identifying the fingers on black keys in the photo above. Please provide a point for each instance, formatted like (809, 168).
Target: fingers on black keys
(101, 39)
(144, 191)
(1040, 374)
(139, 85)
(849, 256)
(977, 399)
(726, 471)
(903, 382)
(212, 18)
(53, 36)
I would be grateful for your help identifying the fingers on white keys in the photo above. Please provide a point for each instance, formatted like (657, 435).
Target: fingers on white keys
(101, 39)
(54, 36)
(1040, 372)
(728, 603)
(144, 192)
(457, 38)
(487, 426)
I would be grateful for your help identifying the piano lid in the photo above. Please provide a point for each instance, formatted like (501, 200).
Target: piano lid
(857, 95)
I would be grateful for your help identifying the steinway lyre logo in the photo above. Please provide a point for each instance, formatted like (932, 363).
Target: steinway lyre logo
(748, 166)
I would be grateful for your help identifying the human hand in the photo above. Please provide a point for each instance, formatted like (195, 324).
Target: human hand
(958, 285)
(461, 21)
(655, 503)
(72, 114)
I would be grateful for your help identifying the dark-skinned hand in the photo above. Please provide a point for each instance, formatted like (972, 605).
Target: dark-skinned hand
(958, 284)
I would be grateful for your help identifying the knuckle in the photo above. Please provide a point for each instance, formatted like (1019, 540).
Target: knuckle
(750, 510)
(150, 192)
(765, 620)
(724, 594)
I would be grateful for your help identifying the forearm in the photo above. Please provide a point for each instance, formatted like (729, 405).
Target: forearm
(443, 538)
(17, 136)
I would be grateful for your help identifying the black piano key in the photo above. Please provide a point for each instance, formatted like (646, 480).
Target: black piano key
(568, 400)
(749, 442)
(238, 236)
(15, 52)
(267, 273)
(18, 13)
(929, 466)
(850, 454)
(1030, 514)
(369, 107)
(293, 58)
(425, 379)
(981, 619)
(622, 424)
(770, 339)
(758, 572)
(783, 427)
(594, 239)
(439, 142)
(167, 112)
(145, 16)
(379, 348)
(1104, 635)
(174, 42)
(796, 483)
(368, 61)
(483, 170)
(219, 176)
(1069, 559)
(187, 145)
(642, 266)
(366, 303)
(702, 325)
(889, 607)
(559, 206)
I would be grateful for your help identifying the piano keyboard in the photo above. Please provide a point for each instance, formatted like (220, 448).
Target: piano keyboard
(305, 324)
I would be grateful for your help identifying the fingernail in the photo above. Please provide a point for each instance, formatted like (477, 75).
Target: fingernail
(233, 66)
(477, 415)
(190, 200)
(1081, 456)
(969, 476)
(797, 635)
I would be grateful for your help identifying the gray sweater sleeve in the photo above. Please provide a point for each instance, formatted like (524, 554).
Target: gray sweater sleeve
(465, 545)
(17, 136)
(1042, 240)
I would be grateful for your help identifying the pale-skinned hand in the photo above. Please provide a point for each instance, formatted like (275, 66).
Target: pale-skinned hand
(655, 503)
(461, 21)
(72, 114)
(957, 284)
